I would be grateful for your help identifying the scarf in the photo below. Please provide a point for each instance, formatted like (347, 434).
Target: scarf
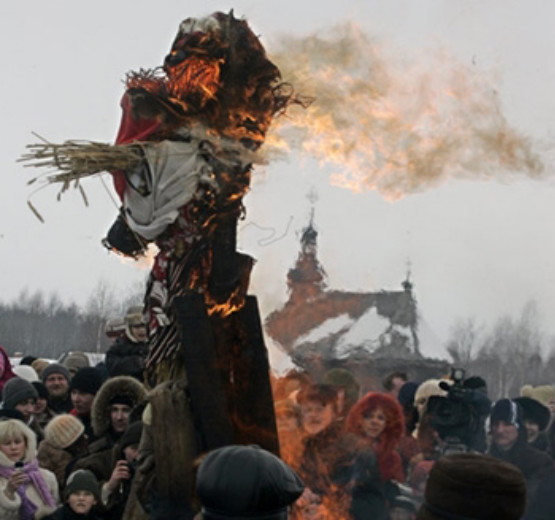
(31, 469)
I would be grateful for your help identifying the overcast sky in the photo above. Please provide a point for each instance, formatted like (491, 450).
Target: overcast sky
(477, 247)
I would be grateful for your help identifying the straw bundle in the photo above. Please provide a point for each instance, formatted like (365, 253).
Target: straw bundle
(75, 160)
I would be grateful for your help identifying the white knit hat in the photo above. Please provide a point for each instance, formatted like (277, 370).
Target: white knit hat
(63, 430)
(26, 372)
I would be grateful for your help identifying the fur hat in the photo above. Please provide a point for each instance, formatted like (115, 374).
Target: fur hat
(246, 482)
(17, 390)
(135, 316)
(543, 393)
(534, 411)
(55, 368)
(75, 361)
(469, 485)
(63, 430)
(82, 480)
(429, 388)
(87, 380)
(39, 365)
(26, 372)
(115, 389)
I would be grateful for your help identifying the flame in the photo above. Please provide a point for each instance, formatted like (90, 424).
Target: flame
(197, 75)
(394, 127)
(145, 261)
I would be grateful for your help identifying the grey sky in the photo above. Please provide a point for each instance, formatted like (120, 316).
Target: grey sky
(477, 248)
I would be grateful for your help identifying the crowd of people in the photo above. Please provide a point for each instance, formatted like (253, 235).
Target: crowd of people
(74, 445)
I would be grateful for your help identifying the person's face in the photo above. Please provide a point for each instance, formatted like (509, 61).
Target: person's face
(504, 434)
(82, 402)
(138, 332)
(14, 448)
(40, 406)
(532, 430)
(26, 407)
(316, 416)
(551, 406)
(131, 452)
(373, 424)
(81, 502)
(57, 385)
(119, 417)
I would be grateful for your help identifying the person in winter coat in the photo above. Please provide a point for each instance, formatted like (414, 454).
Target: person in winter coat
(22, 396)
(115, 492)
(43, 414)
(339, 470)
(83, 387)
(81, 497)
(535, 417)
(128, 354)
(378, 420)
(27, 492)
(64, 441)
(110, 416)
(508, 443)
(6, 372)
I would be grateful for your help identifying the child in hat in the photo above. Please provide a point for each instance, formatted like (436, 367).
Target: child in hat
(82, 494)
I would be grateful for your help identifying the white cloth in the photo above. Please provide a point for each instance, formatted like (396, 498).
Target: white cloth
(175, 170)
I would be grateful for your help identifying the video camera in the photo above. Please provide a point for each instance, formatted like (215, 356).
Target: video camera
(459, 417)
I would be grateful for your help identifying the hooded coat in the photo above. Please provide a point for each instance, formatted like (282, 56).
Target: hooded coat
(10, 509)
(99, 460)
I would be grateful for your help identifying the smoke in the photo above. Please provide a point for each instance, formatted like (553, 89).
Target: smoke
(391, 126)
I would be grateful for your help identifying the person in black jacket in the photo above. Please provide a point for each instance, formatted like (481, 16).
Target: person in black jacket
(126, 357)
(509, 443)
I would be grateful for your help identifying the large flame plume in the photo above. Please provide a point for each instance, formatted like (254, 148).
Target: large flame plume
(397, 128)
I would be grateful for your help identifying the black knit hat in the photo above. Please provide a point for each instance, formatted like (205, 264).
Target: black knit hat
(82, 480)
(467, 486)
(508, 411)
(237, 482)
(534, 411)
(87, 380)
(17, 390)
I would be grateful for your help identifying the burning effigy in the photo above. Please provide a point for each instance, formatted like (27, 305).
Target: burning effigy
(181, 164)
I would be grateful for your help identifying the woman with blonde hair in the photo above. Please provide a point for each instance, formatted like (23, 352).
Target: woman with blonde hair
(27, 492)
